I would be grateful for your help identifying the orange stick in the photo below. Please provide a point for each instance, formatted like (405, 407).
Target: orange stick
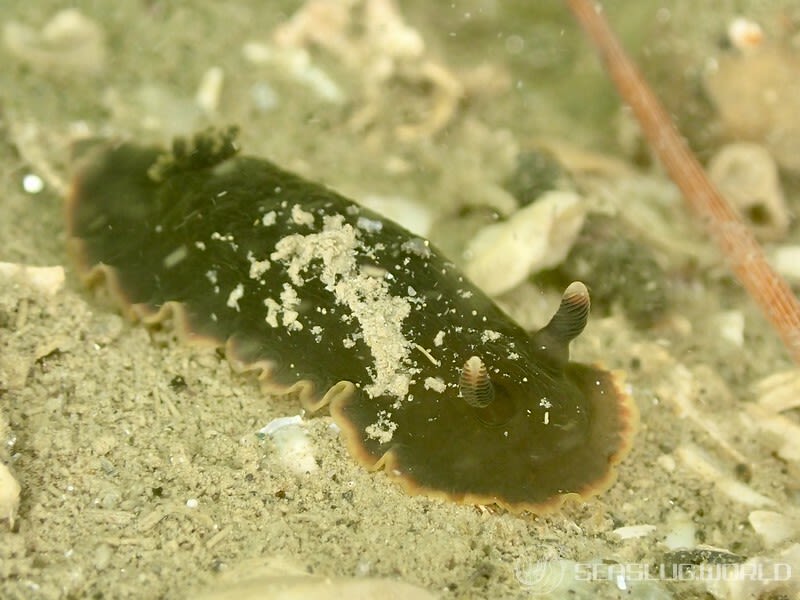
(744, 254)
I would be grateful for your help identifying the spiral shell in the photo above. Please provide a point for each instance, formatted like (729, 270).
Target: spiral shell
(474, 384)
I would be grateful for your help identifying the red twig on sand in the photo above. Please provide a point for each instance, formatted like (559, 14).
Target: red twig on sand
(743, 252)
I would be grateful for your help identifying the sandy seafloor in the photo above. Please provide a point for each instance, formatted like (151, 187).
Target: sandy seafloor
(111, 429)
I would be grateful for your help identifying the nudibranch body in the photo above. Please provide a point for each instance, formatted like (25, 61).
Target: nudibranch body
(423, 373)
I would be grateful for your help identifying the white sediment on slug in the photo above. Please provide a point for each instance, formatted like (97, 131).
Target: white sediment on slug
(302, 217)
(273, 309)
(379, 315)
(490, 336)
(234, 297)
(269, 218)
(383, 429)
(436, 384)
(286, 309)
(257, 267)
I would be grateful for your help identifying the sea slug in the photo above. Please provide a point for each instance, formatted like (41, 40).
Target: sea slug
(423, 373)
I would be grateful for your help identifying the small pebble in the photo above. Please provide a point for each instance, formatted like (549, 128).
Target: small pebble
(102, 556)
(9, 496)
(279, 423)
(666, 462)
(730, 325)
(633, 531)
(47, 280)
(264, 96)
(773, 527)
(680, 531)
(292, 443)
(747, 176)
(210, 90)
(786, 261)
(745, 34)
(32, 184)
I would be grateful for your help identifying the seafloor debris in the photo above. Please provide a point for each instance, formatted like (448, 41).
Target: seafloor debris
(773, 527)
(536, 172)
(779, 392)
(785, 430)
(9, 486)
(773, 575)
(47, 280)
(371, 37)
(415, 216)
(209, 90)
(292, 444)
(619, 269)
(755, 94)
(680, 529)
(719, 459)
(744, 255)
(32, 142)
(745, 34)
(9, 496)
(629, 532)
(680, 391)
(786, 261)
(536, 237)
(18, 354)
(700, 555)
(656, 218)
(297, 63)
(775, 395)
(747, 176)
(708, 470)
(479, 157)
(730, 325)
(69, 43)
(280, 578)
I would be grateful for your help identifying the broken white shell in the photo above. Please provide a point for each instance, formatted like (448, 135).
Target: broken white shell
(279, 578)
(9, 495)
(755, 94)
(68, 42)
(630, 532)
(47, 280)
(773, 527)
(294, 447)
(786, 261)
(537, 237)
(747, 176)
(414, 216)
